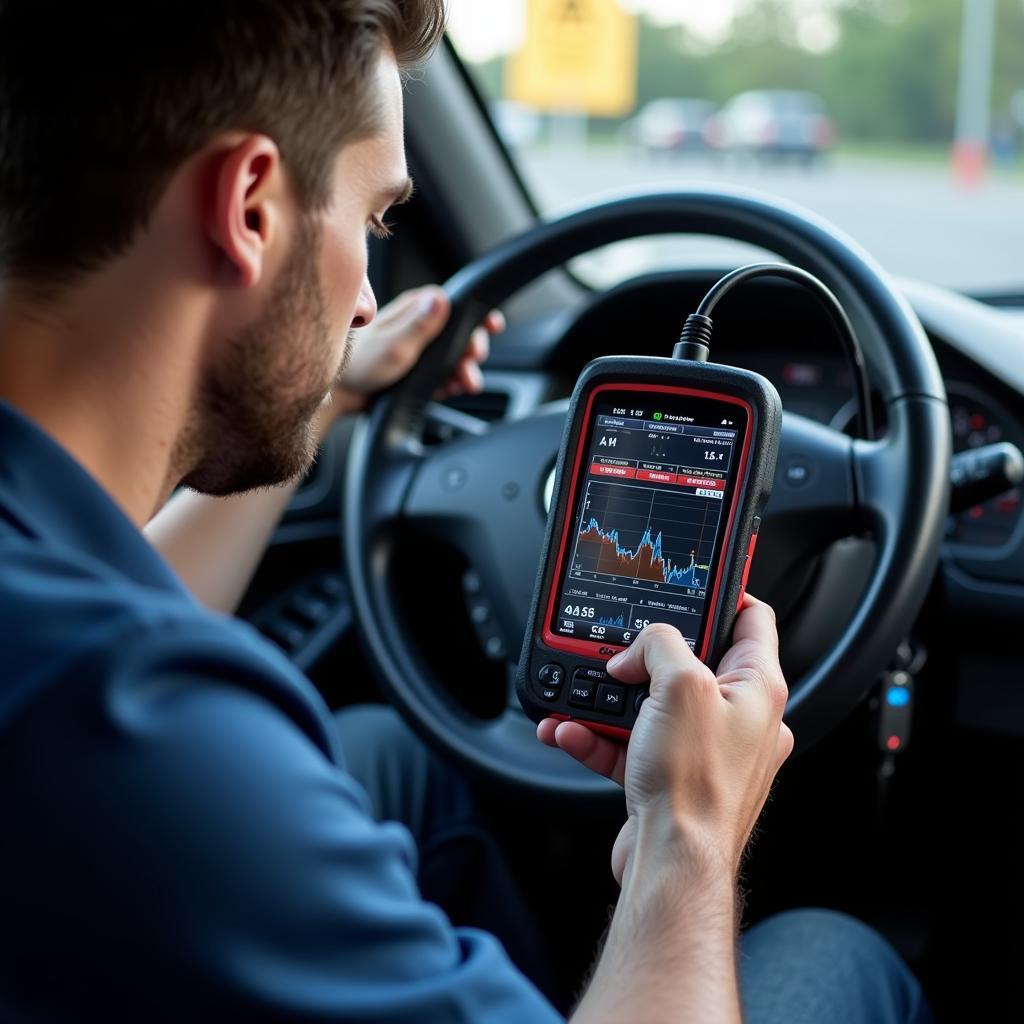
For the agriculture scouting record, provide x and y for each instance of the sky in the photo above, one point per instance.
(484, 29)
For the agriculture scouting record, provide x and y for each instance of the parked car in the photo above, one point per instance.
(671, 126)
(773, 123)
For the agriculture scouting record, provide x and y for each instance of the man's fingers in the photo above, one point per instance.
(400, 305)
(756, 622)
(468, 376)
(420, 314)
(546, 731)
(785, 745)
(753, 657)
(658, 650)
(600, 755)
(479, 345)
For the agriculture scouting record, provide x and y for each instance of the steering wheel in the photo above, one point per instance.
(482, 492)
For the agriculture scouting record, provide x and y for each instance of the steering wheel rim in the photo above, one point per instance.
(896, 487)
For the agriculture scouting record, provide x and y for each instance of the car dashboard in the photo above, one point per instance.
(777, 330)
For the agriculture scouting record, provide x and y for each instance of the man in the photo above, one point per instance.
(182, 252)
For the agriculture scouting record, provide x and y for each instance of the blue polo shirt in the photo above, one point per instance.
(178, 837)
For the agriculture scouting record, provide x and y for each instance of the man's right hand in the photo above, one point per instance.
(704, 750)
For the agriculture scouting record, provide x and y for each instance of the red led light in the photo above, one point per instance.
(893, 743)
(977, 421)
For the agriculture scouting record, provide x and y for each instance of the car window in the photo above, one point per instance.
(901, 121)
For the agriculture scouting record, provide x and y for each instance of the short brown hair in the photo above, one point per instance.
(100, 102)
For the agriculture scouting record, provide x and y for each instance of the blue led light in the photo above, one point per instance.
(897, 697)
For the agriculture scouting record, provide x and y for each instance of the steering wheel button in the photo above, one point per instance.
(610, 698)
(797, 472)
(551, 676)
(455, 477)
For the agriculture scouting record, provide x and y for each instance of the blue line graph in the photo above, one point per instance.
(647, 562)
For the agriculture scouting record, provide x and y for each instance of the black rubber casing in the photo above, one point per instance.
(752, 491)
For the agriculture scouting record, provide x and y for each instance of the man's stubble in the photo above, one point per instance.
(252, 424)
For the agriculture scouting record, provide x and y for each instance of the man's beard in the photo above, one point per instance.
(253, 421)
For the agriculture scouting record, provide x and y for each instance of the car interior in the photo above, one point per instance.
(403, 569)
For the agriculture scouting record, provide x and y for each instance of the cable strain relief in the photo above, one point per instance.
(695, 340)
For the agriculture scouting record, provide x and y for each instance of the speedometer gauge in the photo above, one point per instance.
(977, 421)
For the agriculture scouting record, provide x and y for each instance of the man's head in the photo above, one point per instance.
(240, 149)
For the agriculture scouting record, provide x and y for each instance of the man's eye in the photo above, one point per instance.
(379, 229)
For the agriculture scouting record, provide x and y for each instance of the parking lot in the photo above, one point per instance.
(912, 216)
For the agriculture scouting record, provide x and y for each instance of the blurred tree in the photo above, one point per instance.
(1009, 64)
(895, 79)
(668, 65)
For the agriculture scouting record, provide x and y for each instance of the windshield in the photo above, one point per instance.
(900, 121)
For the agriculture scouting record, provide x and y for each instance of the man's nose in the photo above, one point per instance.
(366, 307)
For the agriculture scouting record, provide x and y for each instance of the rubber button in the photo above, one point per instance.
(582, 692)
(611, 698)
(638, 701)
(747, 562)
(548, 694)
(551, 675)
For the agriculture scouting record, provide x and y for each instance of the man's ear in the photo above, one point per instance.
(245, 217)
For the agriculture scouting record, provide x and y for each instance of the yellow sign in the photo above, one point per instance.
(580, 56)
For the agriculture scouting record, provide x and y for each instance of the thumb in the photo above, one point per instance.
(424, 316)
(658, 652)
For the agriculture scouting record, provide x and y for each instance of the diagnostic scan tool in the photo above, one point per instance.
(664, 469)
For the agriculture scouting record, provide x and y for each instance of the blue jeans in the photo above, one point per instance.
(799, 967)
(817, 965)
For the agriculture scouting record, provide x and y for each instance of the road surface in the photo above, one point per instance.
(912, 217)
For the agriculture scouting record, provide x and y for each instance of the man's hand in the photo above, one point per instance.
(704, 750)
(388, 348)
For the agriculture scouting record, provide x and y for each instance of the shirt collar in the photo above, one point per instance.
(47, 495)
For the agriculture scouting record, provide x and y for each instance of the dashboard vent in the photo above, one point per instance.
(464, 414)
(487, 405)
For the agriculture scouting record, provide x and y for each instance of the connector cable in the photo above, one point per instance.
(695, 340)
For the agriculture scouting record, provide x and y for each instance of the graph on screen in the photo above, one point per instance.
(603, 550)
(645, 534)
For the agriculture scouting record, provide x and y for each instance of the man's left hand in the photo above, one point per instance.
(388, 348)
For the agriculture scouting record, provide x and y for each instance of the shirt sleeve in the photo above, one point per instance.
(182, 845)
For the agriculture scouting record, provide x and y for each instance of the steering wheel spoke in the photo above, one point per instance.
(813, 498)
(890, 487)
(483, 494)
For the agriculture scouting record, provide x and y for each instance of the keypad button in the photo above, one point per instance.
(638, 701)
(549, 694)
(551, 675)
(582, 691)
(610, 698)
(590, 675)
